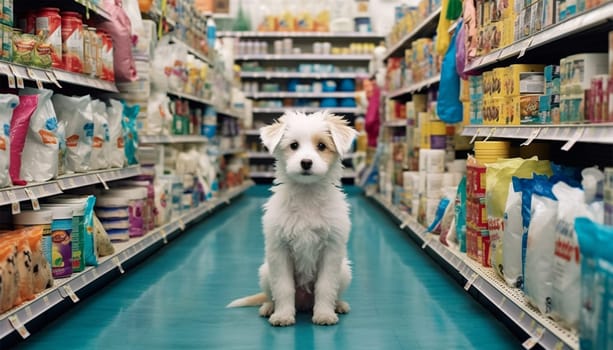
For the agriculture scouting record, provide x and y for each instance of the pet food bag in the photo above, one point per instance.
(566, 297)
(76, 113)
(40, 156)
(101, 136)
(19, 130)
(130, 133)
(540, 246)
(8, 103)
(497, 179)
(116, 155)
(23, 264)
(120, 30)
(512, 237)
(9, 278)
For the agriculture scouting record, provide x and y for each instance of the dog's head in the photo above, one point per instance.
(308, 147)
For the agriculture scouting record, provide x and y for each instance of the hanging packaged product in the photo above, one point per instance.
(40, 155)
(72, 41)
(10, 278)
(42, 218)
(116, 155)
(114, 216)
(61, 241)
(76, 113)
(8, 103)
(49, 26)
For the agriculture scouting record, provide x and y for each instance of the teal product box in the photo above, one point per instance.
(7, 12)
(544, 109)
(551, 72)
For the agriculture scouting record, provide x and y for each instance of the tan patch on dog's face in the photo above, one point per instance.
(324, 145)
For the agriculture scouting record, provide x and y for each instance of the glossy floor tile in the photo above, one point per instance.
(175, 300)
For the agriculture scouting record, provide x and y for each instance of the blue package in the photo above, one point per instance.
(130, 132)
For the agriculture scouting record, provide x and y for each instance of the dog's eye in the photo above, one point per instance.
(294, 146)
(321, 147)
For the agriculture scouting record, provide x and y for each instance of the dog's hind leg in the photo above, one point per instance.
(267, 307)
(342, 307)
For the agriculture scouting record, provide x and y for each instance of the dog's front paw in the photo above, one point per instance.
(267, 309)
(342, 307)
(281, 319)
(325, 318)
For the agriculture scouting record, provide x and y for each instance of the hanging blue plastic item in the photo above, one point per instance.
(449, 107)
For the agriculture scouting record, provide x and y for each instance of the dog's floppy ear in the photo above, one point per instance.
(342, 134)
(271, 135)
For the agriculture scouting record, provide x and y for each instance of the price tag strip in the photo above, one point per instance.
(6, 70)
(492, 131)
(18, 326)
(164, 236)
(535, 339)
(475, 136)
(15, 206)
(533, 135)
(106, 187)
(20, 73)
(71, 294)
(118, 264)
(470, 281)
(33, 199)
(181, 224)
(427, 242)
(571, 142)
(53, 79)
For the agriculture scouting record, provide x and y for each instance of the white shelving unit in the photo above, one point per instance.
(414, 88)
(64, 289)
(307, 35)
(484, 282)
(191, 50)
(17, 73)
(427, 26)
(281, 110)
(580, 23)
(203, 101)
(303, 75)
(31, 191)
(592, 133)
(261, 95)
(303, 57)
(172, 139)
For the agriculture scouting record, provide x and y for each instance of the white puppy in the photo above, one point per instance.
(306, 221)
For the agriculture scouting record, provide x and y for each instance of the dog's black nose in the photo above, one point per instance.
(306, 164)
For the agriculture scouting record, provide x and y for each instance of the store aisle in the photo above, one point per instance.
(175, 300)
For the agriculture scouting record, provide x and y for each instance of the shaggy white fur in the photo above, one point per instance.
(306, 221)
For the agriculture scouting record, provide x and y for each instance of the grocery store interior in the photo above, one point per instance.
(142, 140)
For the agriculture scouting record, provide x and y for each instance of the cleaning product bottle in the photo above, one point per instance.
(211, 32)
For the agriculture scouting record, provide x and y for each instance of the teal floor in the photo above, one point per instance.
(175, 300)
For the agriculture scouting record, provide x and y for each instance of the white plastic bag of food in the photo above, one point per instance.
(512, 237)
(8, 103)
(538, 267)
(76, 113)
(566, 301)
(39, 159)
(101, 136)
(158, 114)
(116, 155)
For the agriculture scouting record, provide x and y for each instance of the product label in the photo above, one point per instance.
(47, 137)
(135, 213)
(61, 253)
(72, 48)
(72, 141)
(98, 142)
(2, 143)
(78, 223)
(120, 142)
(52, 32)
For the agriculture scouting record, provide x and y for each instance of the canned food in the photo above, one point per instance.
(49, 26)
(72, 41)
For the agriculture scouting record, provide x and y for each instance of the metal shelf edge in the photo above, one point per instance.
(410, 36)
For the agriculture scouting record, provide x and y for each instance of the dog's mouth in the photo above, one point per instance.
(306, 173)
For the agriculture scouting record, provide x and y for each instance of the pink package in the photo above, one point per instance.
(19, 130)
(119, 28)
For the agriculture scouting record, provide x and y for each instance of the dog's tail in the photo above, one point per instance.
(252, 300)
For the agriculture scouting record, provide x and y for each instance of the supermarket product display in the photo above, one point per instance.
(515, 208)
(68, 146)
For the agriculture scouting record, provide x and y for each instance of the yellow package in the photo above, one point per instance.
(424, 127)
(525, 79)
(497, 181)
